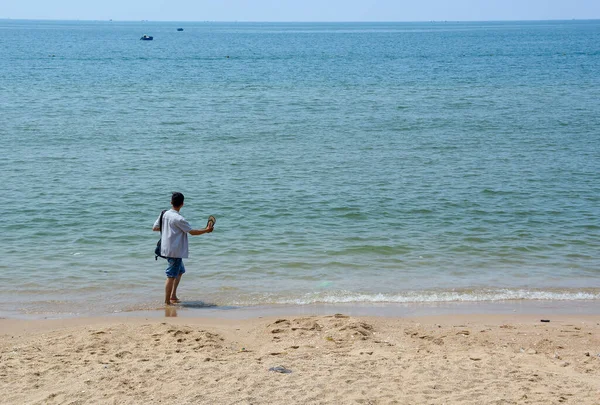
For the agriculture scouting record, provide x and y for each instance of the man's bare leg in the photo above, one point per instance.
(174, 291)
(169, 289)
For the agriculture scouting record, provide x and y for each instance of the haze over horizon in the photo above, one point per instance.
(305, 11)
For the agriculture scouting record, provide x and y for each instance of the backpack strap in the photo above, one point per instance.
(157, 250)
(162, 214)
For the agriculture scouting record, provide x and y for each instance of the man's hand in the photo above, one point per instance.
(201, 231)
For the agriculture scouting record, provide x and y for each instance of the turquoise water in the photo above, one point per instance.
(345, 163)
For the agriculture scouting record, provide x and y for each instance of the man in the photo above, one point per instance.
(174, 244)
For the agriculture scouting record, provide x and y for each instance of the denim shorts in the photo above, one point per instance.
(175, 268)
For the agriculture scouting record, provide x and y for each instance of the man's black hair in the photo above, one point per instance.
(177, 199)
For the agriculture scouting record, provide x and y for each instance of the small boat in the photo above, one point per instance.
(146, 38)
(179, 29)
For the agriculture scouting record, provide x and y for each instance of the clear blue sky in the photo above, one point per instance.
(301, 10)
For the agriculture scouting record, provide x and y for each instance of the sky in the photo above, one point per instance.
(301, 10)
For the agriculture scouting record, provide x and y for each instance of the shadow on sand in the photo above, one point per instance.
(171, 310)
(202, 305)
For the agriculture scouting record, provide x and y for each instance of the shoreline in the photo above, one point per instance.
(195, 309)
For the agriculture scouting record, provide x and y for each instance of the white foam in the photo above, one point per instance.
(343, 297)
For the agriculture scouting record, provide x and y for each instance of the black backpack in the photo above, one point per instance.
(158, 244)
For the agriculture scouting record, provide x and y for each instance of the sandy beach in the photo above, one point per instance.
(330, 359)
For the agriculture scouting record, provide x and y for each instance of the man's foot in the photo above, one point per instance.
(175, 300)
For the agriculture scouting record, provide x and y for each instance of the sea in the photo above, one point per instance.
(365, 164)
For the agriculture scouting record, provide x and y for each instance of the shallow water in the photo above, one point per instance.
(345, 163)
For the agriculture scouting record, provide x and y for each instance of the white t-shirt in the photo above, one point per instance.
(174, 239)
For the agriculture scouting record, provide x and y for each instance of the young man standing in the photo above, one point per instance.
(174, 244)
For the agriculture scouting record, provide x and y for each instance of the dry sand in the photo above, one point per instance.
(491, 359)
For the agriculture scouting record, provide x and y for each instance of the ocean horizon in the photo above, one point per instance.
(83, 20)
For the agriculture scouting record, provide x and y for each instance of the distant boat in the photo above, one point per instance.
(179, 29)
(146, 38)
